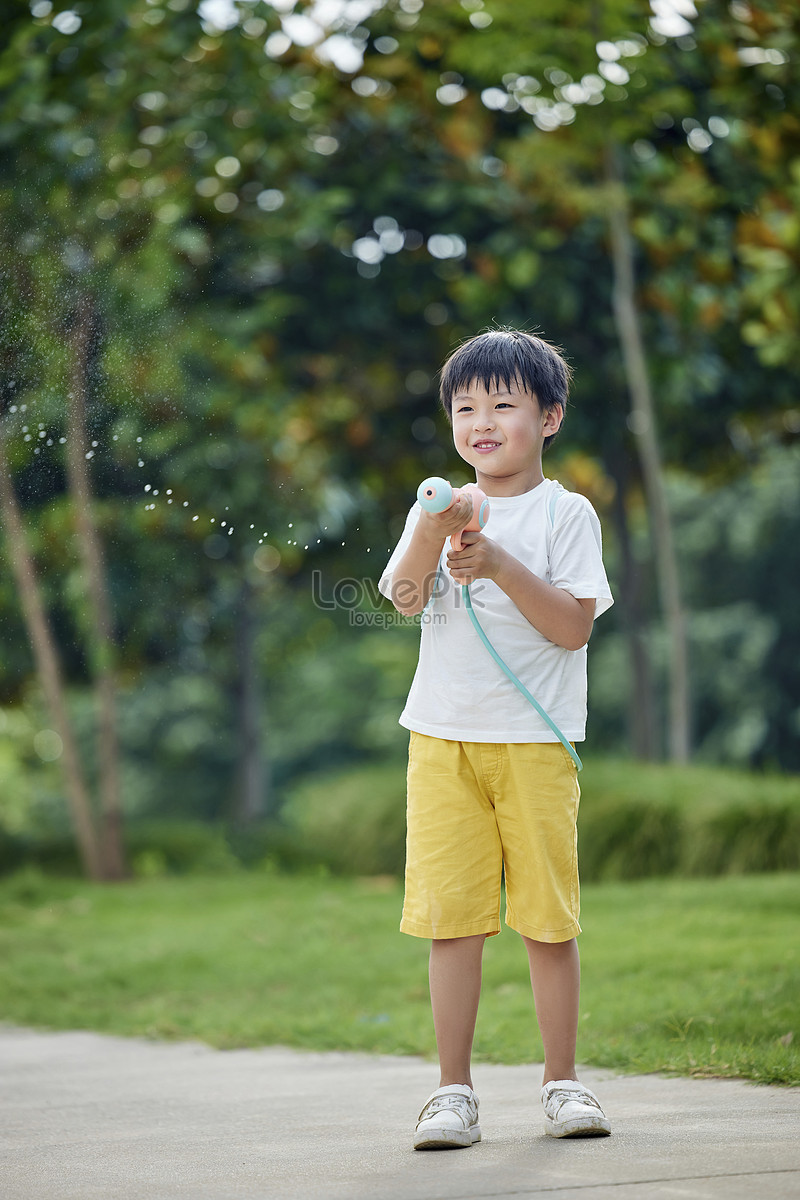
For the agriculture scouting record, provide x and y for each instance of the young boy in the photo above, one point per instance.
(491, 790)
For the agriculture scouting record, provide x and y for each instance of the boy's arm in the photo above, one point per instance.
(557, 614)
(414, 575)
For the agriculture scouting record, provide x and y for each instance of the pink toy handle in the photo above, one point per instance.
(480, 512)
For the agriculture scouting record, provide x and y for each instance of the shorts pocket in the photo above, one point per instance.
(568, 759)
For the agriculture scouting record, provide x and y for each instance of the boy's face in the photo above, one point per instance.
(501, 434)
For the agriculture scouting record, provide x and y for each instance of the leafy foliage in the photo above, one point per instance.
(282, 246)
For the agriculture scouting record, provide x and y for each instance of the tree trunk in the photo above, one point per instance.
(642, 721)
(253, 782)
(100, 639)
(643, 425)
(48, 667)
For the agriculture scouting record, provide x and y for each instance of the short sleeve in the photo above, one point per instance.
(576, 552)
(385, 584)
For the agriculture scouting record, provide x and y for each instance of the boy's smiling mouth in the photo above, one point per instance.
(485, 444)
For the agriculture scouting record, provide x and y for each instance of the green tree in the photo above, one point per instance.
(279, 247)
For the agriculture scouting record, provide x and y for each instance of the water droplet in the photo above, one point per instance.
(195, 518)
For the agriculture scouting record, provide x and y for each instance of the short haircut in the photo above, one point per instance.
(506, 356)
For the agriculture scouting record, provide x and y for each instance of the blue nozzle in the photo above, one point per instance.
(435, 494)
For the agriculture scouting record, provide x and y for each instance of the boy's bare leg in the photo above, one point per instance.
(556, 979)
(455, 981)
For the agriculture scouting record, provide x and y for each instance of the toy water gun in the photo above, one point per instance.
(436, 495)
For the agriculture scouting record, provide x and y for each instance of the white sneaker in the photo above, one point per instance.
(449, 1119)
(572, 1110)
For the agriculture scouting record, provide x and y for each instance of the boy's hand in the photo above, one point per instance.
(480, 558)
(453, 519)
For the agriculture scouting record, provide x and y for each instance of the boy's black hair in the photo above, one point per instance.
(507, 356)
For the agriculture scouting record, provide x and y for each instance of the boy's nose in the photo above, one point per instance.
(483, 421)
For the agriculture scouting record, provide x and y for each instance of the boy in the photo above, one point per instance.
(491, 790)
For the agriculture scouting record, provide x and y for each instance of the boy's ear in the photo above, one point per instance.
(552, 420)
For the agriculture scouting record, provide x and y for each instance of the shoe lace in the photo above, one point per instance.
(561, 1096)
(450, 1101)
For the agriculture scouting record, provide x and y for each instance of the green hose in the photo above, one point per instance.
(517, 683)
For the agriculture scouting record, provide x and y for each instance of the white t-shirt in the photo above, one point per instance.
(458, 691)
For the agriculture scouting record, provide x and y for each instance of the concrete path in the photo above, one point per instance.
(86, 1117)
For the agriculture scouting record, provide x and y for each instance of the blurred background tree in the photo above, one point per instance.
(283, 216)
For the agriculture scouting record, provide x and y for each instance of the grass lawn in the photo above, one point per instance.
(696, 977)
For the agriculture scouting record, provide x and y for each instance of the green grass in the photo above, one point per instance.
(693, 977)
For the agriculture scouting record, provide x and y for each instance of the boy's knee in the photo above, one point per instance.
(552, 948)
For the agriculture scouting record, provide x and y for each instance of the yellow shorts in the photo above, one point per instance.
(477, 810)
